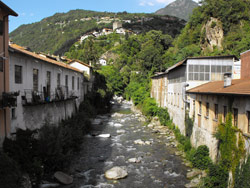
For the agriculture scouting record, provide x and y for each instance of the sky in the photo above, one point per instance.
(30, 11)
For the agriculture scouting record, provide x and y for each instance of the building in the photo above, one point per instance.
(117, 25)
(184, 75)
(6, 98)
(212, 102)
(102, 61)
(87, 71)
(106, 31)
(49, 90)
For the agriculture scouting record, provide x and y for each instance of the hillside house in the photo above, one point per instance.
(106, 31)
(49, 90)
(7, 98)
(212, 102)
(117, 25)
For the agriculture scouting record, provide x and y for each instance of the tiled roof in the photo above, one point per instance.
(75, 60)
(8, 9)
(21, 49)
(238, 87)
(158, 74)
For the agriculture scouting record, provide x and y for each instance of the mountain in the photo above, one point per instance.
(57, 33)
(215, 28)
(179, 8)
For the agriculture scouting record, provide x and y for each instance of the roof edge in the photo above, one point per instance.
(8, 9)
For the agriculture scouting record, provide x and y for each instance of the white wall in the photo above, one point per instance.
(33, 116)
(81, 67)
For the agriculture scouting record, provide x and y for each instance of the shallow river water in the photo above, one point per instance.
(157, 164)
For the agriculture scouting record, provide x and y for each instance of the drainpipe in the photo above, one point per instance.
(184, 92)
(4, 73)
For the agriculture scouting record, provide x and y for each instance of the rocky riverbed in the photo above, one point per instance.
(144, 156)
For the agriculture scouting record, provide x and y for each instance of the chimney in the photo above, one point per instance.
(227, 79)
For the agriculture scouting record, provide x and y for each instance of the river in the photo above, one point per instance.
(156, 164)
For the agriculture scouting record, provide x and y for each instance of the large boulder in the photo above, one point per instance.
(63, 178)
(116, 173)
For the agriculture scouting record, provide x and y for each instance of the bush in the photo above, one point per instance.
(242, 175)
(149, 107)
(163, 115)
(217, 177)
(200, 157)
(10, 174)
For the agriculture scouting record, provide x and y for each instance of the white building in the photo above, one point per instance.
(49, 90)
(102, 61)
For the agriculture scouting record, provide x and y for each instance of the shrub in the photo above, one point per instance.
(10, 174)
(200, 157)
(242, 175)
(217, 177)
(163, 115)
(149, 107)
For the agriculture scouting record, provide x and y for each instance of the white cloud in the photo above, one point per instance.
(146, 3)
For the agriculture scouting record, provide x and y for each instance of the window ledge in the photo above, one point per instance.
(199, 114)
(206, 117)
(216, 120)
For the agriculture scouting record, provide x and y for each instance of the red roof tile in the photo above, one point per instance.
(238, 87)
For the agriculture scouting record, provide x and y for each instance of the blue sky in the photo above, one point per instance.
(30, 11)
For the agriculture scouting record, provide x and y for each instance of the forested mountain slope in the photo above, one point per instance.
(57, 33)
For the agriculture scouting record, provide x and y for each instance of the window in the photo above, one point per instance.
(13, 113)
(215, 111)
(225, 113)
(66, 80)
(58, 80)
(73, 82)
(1, 27)
(207, 109)
(199, 72)
(35, 79)
(18, 74)
(200, 107)
(78, 83)
(248, 122)
(235, 113)
(48, 81)
(1, 64)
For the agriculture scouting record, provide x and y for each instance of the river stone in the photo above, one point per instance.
(147, 142)
(116, 115)
(49, 185)
(116, 173)
(139, 141)
(121, 131)
(194, 173)
(104, 135)
(134, 160)
(194, 183)
(118, 125)
(63, 178)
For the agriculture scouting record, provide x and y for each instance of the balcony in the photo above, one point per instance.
(31, 97)
(8, 99)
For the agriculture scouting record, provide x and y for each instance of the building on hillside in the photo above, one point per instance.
(102, 61)
(106, 31)
(87, 71)
(49, 90)
(187, 74)
(117, 25)
(212, 102)
(7, 98)
(82, 38)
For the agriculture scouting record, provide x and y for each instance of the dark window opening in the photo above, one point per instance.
(35, 79)
(215, 111)
(18, 74)
(207, 109)
(235, 111)
(248, 121)
(1, 27)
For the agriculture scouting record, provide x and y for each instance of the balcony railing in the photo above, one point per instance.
(31, 97)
